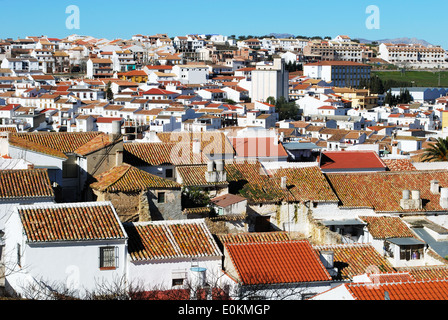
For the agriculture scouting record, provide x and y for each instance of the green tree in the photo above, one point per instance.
(109, 93)
(437, 151)
(285, 109)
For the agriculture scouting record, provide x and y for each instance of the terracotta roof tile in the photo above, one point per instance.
(25, 183)
(195, 175)
(53, 143)
(417, 290)
(170, 240)
(382, 191)
(159, 153)
(126, 178)
(276, 262)
(70, 222)
(249, 237)
(399, 164)
(427, 272)
(356, 259)
(387, 227)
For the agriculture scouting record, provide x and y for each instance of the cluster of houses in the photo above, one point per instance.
(177, 179)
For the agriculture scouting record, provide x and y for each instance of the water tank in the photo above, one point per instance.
(210, 166)
(327, 258)
(444, 193)
(198, 276)
(415, 194)
(406, 194)
(219, 165)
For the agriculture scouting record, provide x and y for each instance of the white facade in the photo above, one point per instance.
(74, 264)
(191, 74)
(270, 81)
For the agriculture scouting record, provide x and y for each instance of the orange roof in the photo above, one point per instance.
(416, 290)
(70, 222)
(276, 262)
(25, 183)
(337, 160)
(170, 240)
(126, 178)
(387, 227)
(382, 191)
(258, 147)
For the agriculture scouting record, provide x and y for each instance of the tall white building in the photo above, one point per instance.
(340, 73)
(270, 80)
(413, 55)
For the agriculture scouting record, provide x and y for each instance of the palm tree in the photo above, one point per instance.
(436, 152)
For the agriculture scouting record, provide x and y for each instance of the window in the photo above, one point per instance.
(161, 197)
(169, 173)
(108, 258)
(411, 252)
(178, 277)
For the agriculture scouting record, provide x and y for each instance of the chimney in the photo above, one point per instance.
(444, 198)
(411, 203)
(196, 146)
(327, 258)
(283, 183)
(435, 187)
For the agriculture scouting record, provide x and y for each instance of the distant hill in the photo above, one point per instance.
(404, 40)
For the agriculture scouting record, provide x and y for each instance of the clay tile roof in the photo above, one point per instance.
(227, 200)
(416, 290)
(305, 184)
(258, 147)
(170, 240)
(276, 262)
(387, 227)
(399, 164)
(70, 222)
(52, 143)
(126, 178)
(195, 175)
(99, 142)
(427, 272)
(333, 160)
(382, 191)
(159, 153)
(25, 184)
(211, 142)
(356, 259)
(249, 237)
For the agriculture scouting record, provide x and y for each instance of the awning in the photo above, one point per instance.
(347, 222)
(405, 241)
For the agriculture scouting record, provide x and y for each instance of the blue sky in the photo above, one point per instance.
(114, 19)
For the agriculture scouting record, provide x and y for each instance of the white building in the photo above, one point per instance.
(341, 73)
(78, 246)
(413, 55)
(270, 80)
(191, 74)
(190, 254)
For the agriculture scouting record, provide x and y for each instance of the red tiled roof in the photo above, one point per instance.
(53, 143)
(258, 147)
(387, 227)
(351, 160)
(399, 164)
(427, 272)
(383, 191)
(417, 290)
(25, 183)
(194, 175)
(355, 259)
(227, 200)
(126, 178)
(249, 237)
(160, 153)
(70, 222)
(276, 262)
(170, 240)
